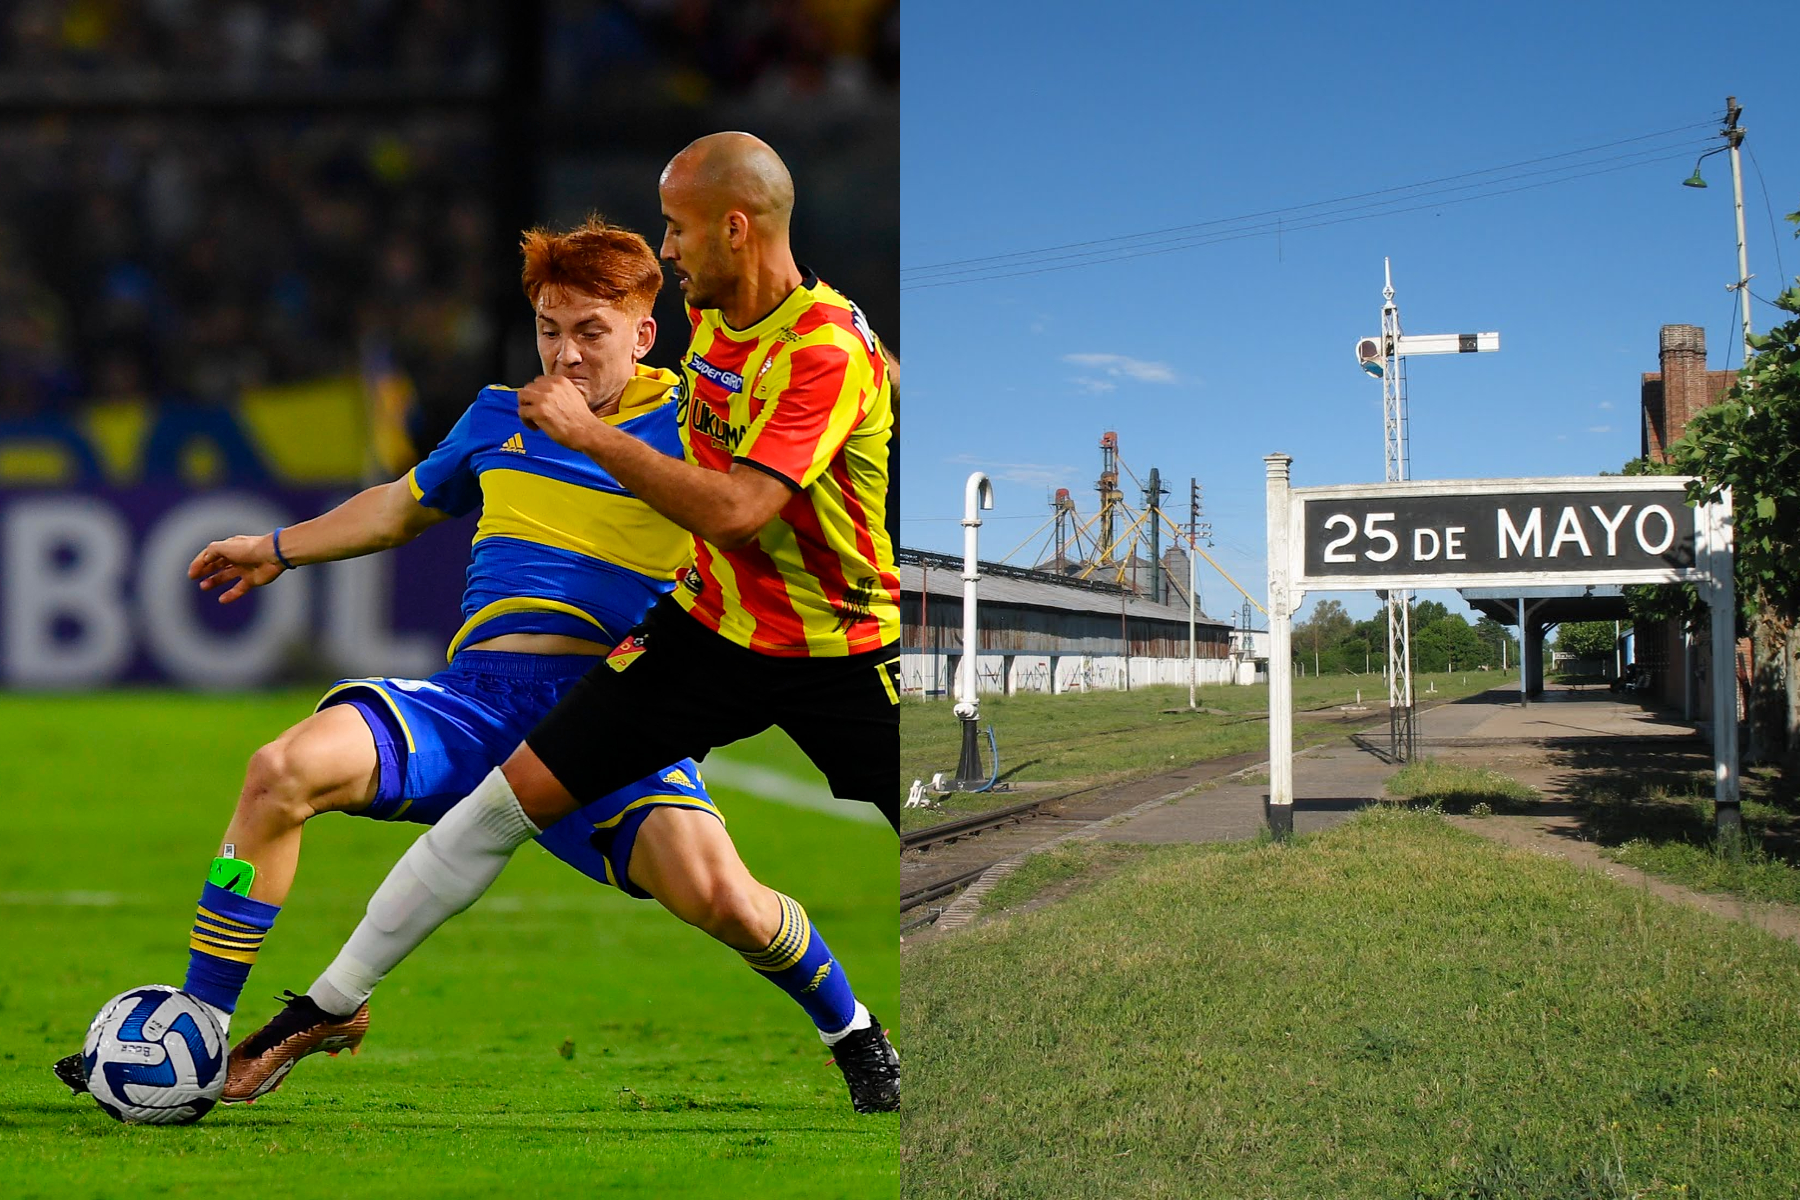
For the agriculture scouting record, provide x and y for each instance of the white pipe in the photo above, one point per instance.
(978, 494)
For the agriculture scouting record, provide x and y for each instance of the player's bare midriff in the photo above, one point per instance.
(541, 643)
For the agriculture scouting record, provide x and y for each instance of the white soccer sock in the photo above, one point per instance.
(860, 1021)
(219, 1015)
(441, 874)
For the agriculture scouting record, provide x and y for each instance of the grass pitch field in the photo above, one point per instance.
(558, 1038)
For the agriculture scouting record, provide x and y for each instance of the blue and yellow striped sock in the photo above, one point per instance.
(228, 931)
(800, 963)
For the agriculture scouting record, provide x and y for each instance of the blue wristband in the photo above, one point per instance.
(279, 556)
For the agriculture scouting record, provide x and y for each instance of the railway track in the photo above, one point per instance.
(941, 859)
(950, 831)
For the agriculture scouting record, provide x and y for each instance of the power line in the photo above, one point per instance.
(1731, 343)
(1527, 162)
(1762, 299)
(1483, 182)
(958, 520)
(1170, 246)
(1329, 217)
(1774, 237)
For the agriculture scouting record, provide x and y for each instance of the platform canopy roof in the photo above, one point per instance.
(1552, 605)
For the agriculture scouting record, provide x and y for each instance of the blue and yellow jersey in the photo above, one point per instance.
(562, 547)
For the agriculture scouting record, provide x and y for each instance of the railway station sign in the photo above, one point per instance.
(1494, 533)
(1604, 529)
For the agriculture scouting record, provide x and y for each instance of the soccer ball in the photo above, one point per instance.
(155, 1056)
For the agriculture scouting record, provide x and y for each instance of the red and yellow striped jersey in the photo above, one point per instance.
(803, 395)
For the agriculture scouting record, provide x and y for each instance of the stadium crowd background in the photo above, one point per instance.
(274, 245)
(205, 197)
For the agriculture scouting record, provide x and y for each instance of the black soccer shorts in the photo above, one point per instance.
(674, 689)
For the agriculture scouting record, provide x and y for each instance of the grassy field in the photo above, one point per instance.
(689, 1075)
(1458, 788)
(1664, 825)
(1390, 1009)
(1045, 873)
(1129, 735)
(1654, 813)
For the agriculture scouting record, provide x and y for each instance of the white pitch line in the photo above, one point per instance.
(52, 899)
(782, 788)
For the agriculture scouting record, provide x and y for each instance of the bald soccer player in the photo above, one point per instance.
(787, 614)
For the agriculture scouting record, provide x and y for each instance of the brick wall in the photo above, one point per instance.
(1670, 397)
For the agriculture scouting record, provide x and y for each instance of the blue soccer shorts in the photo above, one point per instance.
(437, 738)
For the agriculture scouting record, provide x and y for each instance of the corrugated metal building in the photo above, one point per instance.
(1040, 632)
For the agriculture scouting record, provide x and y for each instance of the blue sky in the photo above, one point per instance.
(1026, 126)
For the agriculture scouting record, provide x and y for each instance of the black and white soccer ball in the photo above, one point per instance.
(155, 1056)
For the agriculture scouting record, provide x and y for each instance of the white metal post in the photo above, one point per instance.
(1280, 805)
(978, 494)
(1688, 699)
(1716, 534)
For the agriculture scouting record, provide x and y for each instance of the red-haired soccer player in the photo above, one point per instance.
(566, 562)
(788, 615)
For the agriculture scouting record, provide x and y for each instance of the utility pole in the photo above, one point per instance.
(1125, 639)
(1193, 584)
(1734, 137)
(1733, 133)
(1153, 494)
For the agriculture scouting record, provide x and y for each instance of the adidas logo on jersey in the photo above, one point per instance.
(515, 443)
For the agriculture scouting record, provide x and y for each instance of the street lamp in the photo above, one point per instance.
(1694, 180)
(1733, 134)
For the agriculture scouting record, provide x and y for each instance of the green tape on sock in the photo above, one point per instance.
(232, 874)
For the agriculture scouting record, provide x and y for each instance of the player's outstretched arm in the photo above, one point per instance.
(726, 509)
(378, 518)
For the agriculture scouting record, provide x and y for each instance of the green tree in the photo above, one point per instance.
(1586, 639)
(1750, 443)
(1653, 602)
(1366, 647)
(1426, 612)
(1445, 643)
(1316, 639)
(1494, 635)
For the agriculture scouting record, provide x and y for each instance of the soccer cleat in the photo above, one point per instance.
(261, 1061)
(72, 1072)
(871, 1067)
